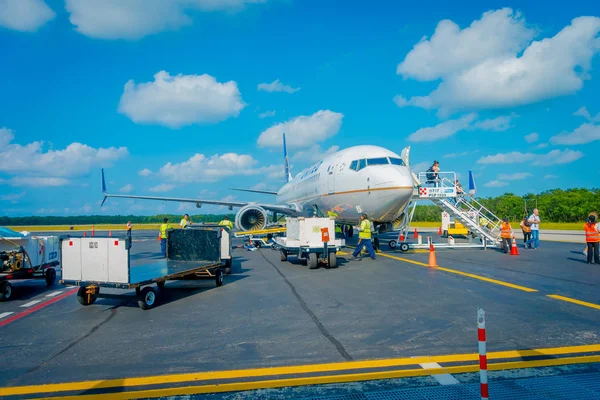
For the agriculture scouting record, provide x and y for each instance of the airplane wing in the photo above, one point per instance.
(282, 209)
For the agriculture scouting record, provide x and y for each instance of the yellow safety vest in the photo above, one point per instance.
(163, 230)
(338, 229)
(227, 223)
(365, 229)
(184, 222)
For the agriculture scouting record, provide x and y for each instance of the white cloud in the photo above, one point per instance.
(134, 19)
(276, 86)
(532, 137)
(259, 186)
(127, 188)
(494, 64)
(514, 177)
(176, 101)
(462, 154)
(12, 197)
(313, 154)
(163, 187)
(583, 112)
(25, 15)
(33, 161)
(145, 172)
(86, 208)
(442, 130)
(586, 133)
(267, 114)
(36, 181)
(550, 177)
(420, 167)
(496, 184)
(541, 146)
(498, 124)
(303, 131)
(555, 157)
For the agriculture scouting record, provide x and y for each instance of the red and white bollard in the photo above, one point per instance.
(483, 377)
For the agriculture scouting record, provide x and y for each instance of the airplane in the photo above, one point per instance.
(345, 184)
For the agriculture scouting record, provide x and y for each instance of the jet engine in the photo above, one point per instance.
(251, 218)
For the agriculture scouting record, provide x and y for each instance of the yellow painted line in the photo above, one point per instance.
(453, 271)
(274, 371)
(575, 301)
(320, 380)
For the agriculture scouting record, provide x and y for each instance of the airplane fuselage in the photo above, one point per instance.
(360, 179)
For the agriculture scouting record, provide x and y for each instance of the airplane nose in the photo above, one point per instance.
(391, 191)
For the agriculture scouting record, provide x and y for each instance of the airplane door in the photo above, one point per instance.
(331, 177)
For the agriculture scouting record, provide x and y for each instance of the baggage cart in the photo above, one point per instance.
(94, 263)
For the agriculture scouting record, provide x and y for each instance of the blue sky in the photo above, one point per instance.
(189, 97)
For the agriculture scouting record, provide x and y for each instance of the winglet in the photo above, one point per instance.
(472, 187)
(103, 188)
(286, 162)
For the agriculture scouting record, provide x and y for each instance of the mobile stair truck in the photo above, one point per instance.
(94, 262)
(23, 256)
(310, 239)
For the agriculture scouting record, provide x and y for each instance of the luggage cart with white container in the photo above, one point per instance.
(94, 263)
(312, 240)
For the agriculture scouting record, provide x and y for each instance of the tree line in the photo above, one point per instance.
(557, 205)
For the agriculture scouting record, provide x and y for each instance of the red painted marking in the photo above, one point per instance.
(483, 362)
(70, 243)
(484, 391)
(37, 307)
(481, 334)
(116, 242)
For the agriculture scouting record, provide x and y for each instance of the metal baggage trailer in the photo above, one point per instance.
(94, 263)
(46, 272)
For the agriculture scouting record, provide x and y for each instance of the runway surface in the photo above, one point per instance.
(273, 314)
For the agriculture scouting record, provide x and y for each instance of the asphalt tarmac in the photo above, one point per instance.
(275, 314)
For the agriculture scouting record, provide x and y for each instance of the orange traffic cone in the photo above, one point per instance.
(440, 231)
(109, 233)
(416, 235)
(159, 236)
(84, 234)
(402, 237)
(514, 251)
(93, 230)
(432, 260)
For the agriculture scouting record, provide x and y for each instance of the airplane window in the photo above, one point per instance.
(377, 161)
(353, 165)
(361, 164)
(397, 161)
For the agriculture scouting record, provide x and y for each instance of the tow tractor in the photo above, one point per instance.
(23, 256)
(309, 239)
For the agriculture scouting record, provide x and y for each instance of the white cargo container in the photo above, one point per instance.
(304, 238)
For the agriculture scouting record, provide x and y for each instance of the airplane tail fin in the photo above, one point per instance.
(103, 188)
(286, 162)
(472, 187)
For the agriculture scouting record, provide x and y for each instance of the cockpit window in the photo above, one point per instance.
(353, 165)
(377, 161)
(397, 161)
(361, 164)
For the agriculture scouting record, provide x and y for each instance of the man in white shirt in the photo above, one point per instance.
(534, 220)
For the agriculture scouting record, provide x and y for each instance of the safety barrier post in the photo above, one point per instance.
(483, 378)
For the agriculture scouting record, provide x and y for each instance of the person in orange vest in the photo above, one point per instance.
(526, 228)
(592, 237)
(505, 234)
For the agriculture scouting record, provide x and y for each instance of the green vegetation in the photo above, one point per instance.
(557, 205)
(107, 219)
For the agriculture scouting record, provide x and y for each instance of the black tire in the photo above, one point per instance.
(283, 255)
(313, 261)
(376, 244)
(393, 244)
(82, 297)
(445, 234)
(228, 263)
(148, 298)
(257, 244)
(161, 284)
(50, 276)
(219, 277)
(404, 247)
(6, 291)
(332, 258)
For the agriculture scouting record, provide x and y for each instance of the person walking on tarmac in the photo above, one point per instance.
(526, 228)
(534, 221)
(163, 236)
(185, 223)
(364, 235)
(592, 238)
(226, 222)
(505, 234)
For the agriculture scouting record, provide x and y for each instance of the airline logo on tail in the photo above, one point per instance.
(286, 162)
(472, 188)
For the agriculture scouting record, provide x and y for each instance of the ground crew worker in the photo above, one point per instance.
(592, 238)
(227, 223)
(534, 222)
(184, 221)
(163, 236)
(505, 233)
(338, 228)
(526, 228)
(129, 229)
(364, 235)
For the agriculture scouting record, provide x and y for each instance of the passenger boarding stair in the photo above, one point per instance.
(471, 213)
